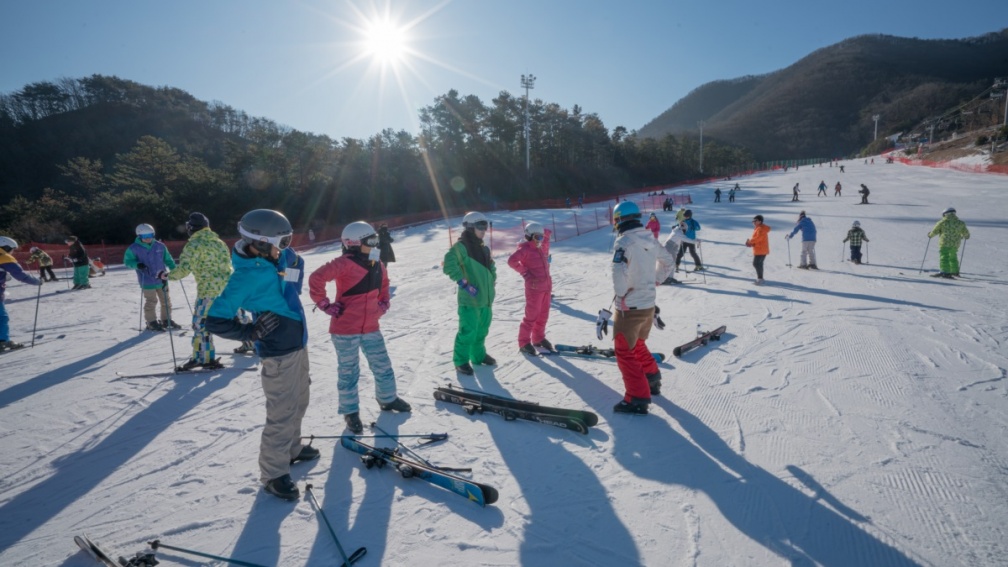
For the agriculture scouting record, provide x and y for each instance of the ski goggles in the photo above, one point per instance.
(147, 236)
(481, 225)
(537, 236)
(263, 243)
(370, 241)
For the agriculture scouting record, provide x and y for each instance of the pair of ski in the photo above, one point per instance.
(479, 402)
(192, 371)
(591, 351)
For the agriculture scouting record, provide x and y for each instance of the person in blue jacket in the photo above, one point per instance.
(8, 265)
(689, 227)
(808, 237)
(267, 281)
(152, 262)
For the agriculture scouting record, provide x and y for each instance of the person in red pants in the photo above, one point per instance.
(532, 261)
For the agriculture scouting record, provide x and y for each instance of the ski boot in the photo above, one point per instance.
(353, 423)
(283, 487)
(397, 404)
(545, 346)
(529, 350)
(154, 325)
(170, 324)
(635, 405)
(654, 382)
(308, 453)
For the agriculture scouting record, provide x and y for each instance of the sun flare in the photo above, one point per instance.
(385, 42)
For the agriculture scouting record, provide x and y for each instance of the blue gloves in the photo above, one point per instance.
(468, 287)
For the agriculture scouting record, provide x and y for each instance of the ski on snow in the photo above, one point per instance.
(142, 559)
(479, 493)
(122, 375)
(591, 351)
(702, 339)
(477, 401)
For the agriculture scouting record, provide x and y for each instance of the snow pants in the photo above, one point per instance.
(202, 342)
(150, 307)
(948, 259)
(682, 252)
(533, 326)
(81, 275)
(348, 348)
(470, 341)
(285, 383)
(757, 262)
(4, 323)
(635, 362)
(808, 252)
(855, 253)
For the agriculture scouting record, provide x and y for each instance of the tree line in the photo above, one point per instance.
(97, 155)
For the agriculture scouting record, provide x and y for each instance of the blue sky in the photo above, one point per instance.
(303, 64)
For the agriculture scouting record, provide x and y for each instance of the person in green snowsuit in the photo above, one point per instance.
(950, 231)
(209, 260)
(468, 263)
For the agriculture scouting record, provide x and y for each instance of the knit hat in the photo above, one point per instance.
(801, 215)
(197, 221)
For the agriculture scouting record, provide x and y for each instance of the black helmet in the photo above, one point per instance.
(688, 214)
(263, 228)
(196, 222)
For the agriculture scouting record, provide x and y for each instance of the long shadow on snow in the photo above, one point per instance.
(555, 484)
(78, 473)
(64, 373)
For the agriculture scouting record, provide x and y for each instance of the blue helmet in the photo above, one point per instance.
(625, 211)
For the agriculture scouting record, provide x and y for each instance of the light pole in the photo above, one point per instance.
(701, 125)
(875, 118)
(528, 83)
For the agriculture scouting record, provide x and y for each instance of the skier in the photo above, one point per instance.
(864, 194)
(808, 236)
(361, 299)
(717, 195)
(267, 281)
(731, 194)
(44, 262)
(634, 272)
(79, 258)
(836, 189)
(207, 258)
(8, 265)
(654, 225)
(469, 264)
(950, 231)
(794, 193)
(385, 241)
(760, 244)
(841, 169)
(672, 245)
(855, 235)
(532, 261)
(822, 188)
(689, 241)
(680, 214)
(152, 262)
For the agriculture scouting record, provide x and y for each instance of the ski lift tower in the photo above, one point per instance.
(527, 82)
(1002, 84)
(875, 118)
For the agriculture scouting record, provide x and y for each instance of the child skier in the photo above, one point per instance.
(469, 264)
(8, 265)
(855, 235)
(950, 231)
(152, 262)
(44, 262)
(532, 261)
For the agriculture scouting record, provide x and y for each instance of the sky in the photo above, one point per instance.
(321, 66)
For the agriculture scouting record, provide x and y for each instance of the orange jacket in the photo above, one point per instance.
(759, 241)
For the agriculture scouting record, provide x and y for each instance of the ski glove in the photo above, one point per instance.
(602, 323)
(264, 325)
(658, 323)
(334, 309)
(163, 275)
(468, 287)
(383, 306)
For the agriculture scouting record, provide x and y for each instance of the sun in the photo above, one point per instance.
(386, 42)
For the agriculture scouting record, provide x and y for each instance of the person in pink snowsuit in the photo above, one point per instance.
(653, 225)
(531, 260)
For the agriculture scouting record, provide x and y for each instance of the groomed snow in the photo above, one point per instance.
(850, 416)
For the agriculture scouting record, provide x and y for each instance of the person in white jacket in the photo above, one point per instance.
(634, 273)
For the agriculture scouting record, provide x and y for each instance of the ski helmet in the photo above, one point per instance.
(688, 214)
(8, 243)
(357, 234)
(532, 229)
(475, 219)
(625, 211)
(856, 224)
(34, 249)
(263, 228)
(196, 222)
(948, 210)
(143, 230)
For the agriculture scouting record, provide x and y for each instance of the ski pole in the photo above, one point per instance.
(171, 338)
(346, 560)
(66, 275)
(961, 254)
(925, 256)
(428, 437)
(702, 263)
(157, 543)
(842, 247)
(418, 457)
(140, 323)
(39, 296)
(788, 252)
(186, 296)
(866, 252)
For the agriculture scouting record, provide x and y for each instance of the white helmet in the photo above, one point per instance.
(532, 229)
(856, 224)
(144, 229)
(8, 243)
(34, 249)
(359, 233)
(474, 218)
(948, 210)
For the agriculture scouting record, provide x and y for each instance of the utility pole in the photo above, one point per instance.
(875, 118)
(931, 136)
(701, 125)
(528, 83)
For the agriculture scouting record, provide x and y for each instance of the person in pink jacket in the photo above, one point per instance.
(532, 261)
(653, 225)
(362, 297)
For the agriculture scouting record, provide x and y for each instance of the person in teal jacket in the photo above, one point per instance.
(267, 281)
(469, 264)
(950, 232)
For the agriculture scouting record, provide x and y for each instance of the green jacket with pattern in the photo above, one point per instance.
(208, 259)
(950, 231)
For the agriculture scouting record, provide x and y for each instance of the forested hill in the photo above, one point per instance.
(823, 104)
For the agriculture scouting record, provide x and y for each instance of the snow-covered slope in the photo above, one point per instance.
(851, 416)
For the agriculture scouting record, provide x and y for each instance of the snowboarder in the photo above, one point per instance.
(8, 265)
(267, 281)
(361, 299)
(207, 258)
(855, 235)
(864, 194)
(950, 231)
(79, 258)
(822, 188)
(760, 244)
(654, 225)
(808, 230)
(44, 262)
(385, 241)
(469, 264)
(532, 261)
(152, 262)
(794, 193)
(689, 241)
(717, 195)
(634, 272)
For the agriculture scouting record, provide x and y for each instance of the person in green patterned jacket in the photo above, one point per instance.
(209, 261)
(950, 231)
(469, 264)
